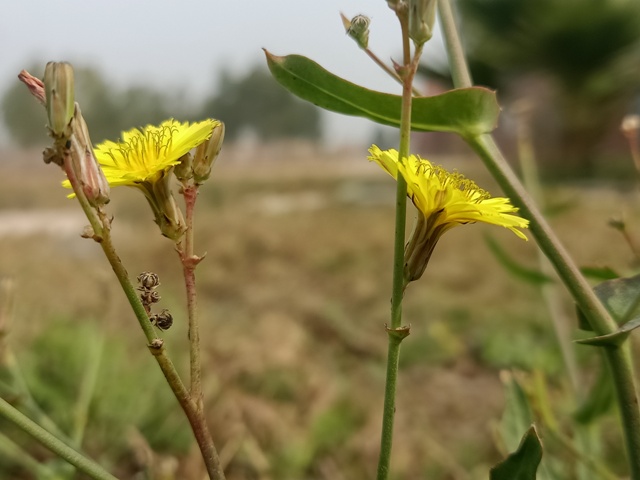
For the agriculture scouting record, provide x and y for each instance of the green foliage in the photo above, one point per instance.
(621, 297)
(255, 103)
(516, 346)
(128, 396)
(468, 112)
(523, 463)
(330, 428)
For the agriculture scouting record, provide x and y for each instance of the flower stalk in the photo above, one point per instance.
(598, 317)
(395, 332)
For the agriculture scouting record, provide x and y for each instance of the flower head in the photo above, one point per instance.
(146, 155)
(144, 158)
(444, 200)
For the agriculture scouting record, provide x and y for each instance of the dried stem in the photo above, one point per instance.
(189, 263)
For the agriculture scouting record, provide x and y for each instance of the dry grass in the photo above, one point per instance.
(294, 297)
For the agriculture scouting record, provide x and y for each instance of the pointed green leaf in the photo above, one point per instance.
(621, 297)
(614, 339)
(530, 275)
(523, 463)
(466, 111)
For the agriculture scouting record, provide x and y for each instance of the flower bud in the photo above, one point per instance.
(184, 170)
(166, 213)
(422, 16)
(58, 84)
(358, 29)
(207, 153)
(88, 171)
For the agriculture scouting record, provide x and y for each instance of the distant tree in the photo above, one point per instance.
(585, 54)
(256, 103)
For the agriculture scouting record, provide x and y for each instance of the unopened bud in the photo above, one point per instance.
(58, 84)
(184, 170)
(91, 177)
(207, 153)
(165, 210)
(358, 29)
(422, 16)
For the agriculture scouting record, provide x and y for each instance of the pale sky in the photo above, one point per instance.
(181, 45)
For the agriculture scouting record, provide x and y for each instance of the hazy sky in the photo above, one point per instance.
(181, 45)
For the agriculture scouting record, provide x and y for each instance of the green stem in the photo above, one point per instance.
(388, 70)
(459, 71)
(195, 415)
(386, 438)
(396, 332)
(81, 462)
(598, 317)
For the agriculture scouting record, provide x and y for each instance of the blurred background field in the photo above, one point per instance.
(298, 228)
(294, 298)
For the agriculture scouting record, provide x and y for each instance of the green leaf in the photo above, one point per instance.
(530, 275)
(621, 297)
(523, 463)
(466, 111)
(614, 339)
(599, 273)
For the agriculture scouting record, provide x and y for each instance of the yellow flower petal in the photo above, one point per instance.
(144, 154)
(448, 199)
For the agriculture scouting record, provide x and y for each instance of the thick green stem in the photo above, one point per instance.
(396, 332)
(457, 61)
(58, 447)
(386, 438)
(598, 317)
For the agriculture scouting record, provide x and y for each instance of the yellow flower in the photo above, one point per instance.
(145, 155)
(144, 158)
(444, 200)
